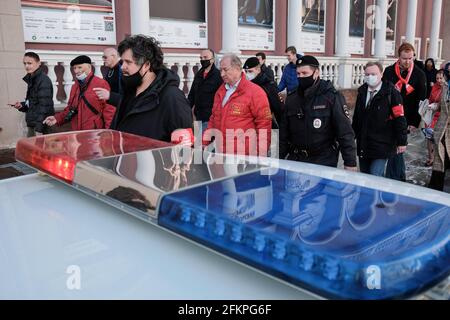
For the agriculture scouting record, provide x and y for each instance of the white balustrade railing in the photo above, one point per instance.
(186, 65)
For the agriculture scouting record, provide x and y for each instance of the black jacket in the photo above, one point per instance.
(411, 101)
(271, 89)
(203, 91)
(114, 78)
(269, 72)
(317, 122)
(380, 128)
(40, 99)
(156, 112)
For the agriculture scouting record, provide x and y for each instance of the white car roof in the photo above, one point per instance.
(47, 227)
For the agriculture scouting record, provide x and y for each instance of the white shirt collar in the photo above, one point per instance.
(229, 87)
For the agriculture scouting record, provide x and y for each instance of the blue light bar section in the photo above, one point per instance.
(335, 239)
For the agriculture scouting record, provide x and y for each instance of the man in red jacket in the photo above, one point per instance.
(85, 111)
(241, 119)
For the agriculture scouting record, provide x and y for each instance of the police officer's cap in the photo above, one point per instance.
(80, 60)
(308, 61)
(251, 63)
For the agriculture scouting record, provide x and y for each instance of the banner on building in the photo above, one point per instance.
(69, 21)
(313, 25)
(256, 25)
(391, 28)
(357, 26)
(179, 24)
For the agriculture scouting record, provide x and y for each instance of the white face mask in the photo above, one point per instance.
(250, 76)
(371, 80)
(82, 76)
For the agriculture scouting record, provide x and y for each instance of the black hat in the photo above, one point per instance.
(308, 61)
(251, 63)
(80, 60)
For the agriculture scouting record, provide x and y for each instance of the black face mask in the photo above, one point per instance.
(306, 83)
(133, 81)
(205, 63)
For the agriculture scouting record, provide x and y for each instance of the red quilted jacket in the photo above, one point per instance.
(85, 119)
(247, 108)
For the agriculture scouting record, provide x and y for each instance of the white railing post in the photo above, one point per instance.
(180, 73)
(325, 72)
(279, 72)
(336, 75)
(52, 75)
(98, 69)
(190, 75)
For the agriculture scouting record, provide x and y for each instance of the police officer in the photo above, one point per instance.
(316, 124)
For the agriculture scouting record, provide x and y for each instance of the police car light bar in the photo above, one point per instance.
(58, 154)
(336, 239)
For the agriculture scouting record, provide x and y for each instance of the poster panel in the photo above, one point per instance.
(69, 21)
(313, 25)
(179, 24)
(256, 25)
(356, 41)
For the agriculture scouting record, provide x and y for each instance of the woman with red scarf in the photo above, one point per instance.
(434, 100)
(442, 139)
(411, 82)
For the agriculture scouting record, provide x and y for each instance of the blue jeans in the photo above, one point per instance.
(376, 167)
(396, 168)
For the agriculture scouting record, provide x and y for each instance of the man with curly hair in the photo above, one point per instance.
(153, 105)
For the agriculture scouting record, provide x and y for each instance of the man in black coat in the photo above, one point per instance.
(316, 124)
(113, 76)
(264, 68)
(411, 82)
(206, 82)
(153, 105)
(255, 74)
(379, 123)
(38, 104)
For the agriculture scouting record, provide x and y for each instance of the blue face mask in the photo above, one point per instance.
(82, 77)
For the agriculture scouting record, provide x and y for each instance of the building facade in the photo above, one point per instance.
(344, 34)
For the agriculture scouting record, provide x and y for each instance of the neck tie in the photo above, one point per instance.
(372, 94)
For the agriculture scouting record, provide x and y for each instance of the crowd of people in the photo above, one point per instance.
(239, 104)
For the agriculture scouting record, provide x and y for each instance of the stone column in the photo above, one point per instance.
(380, 24)
(435, 29)
(230, 24)
(140, 16)
(411, 22)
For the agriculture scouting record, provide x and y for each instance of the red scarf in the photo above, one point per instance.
(404, 82)
(436, 92)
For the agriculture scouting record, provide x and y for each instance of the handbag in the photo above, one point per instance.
(425, 112)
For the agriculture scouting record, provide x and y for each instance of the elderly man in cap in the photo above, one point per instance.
(254, 73)
(316, 124)
(85, 111)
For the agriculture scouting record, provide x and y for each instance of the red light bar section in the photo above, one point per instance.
(58, 154)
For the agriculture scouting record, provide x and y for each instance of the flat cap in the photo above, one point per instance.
(80, 60)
